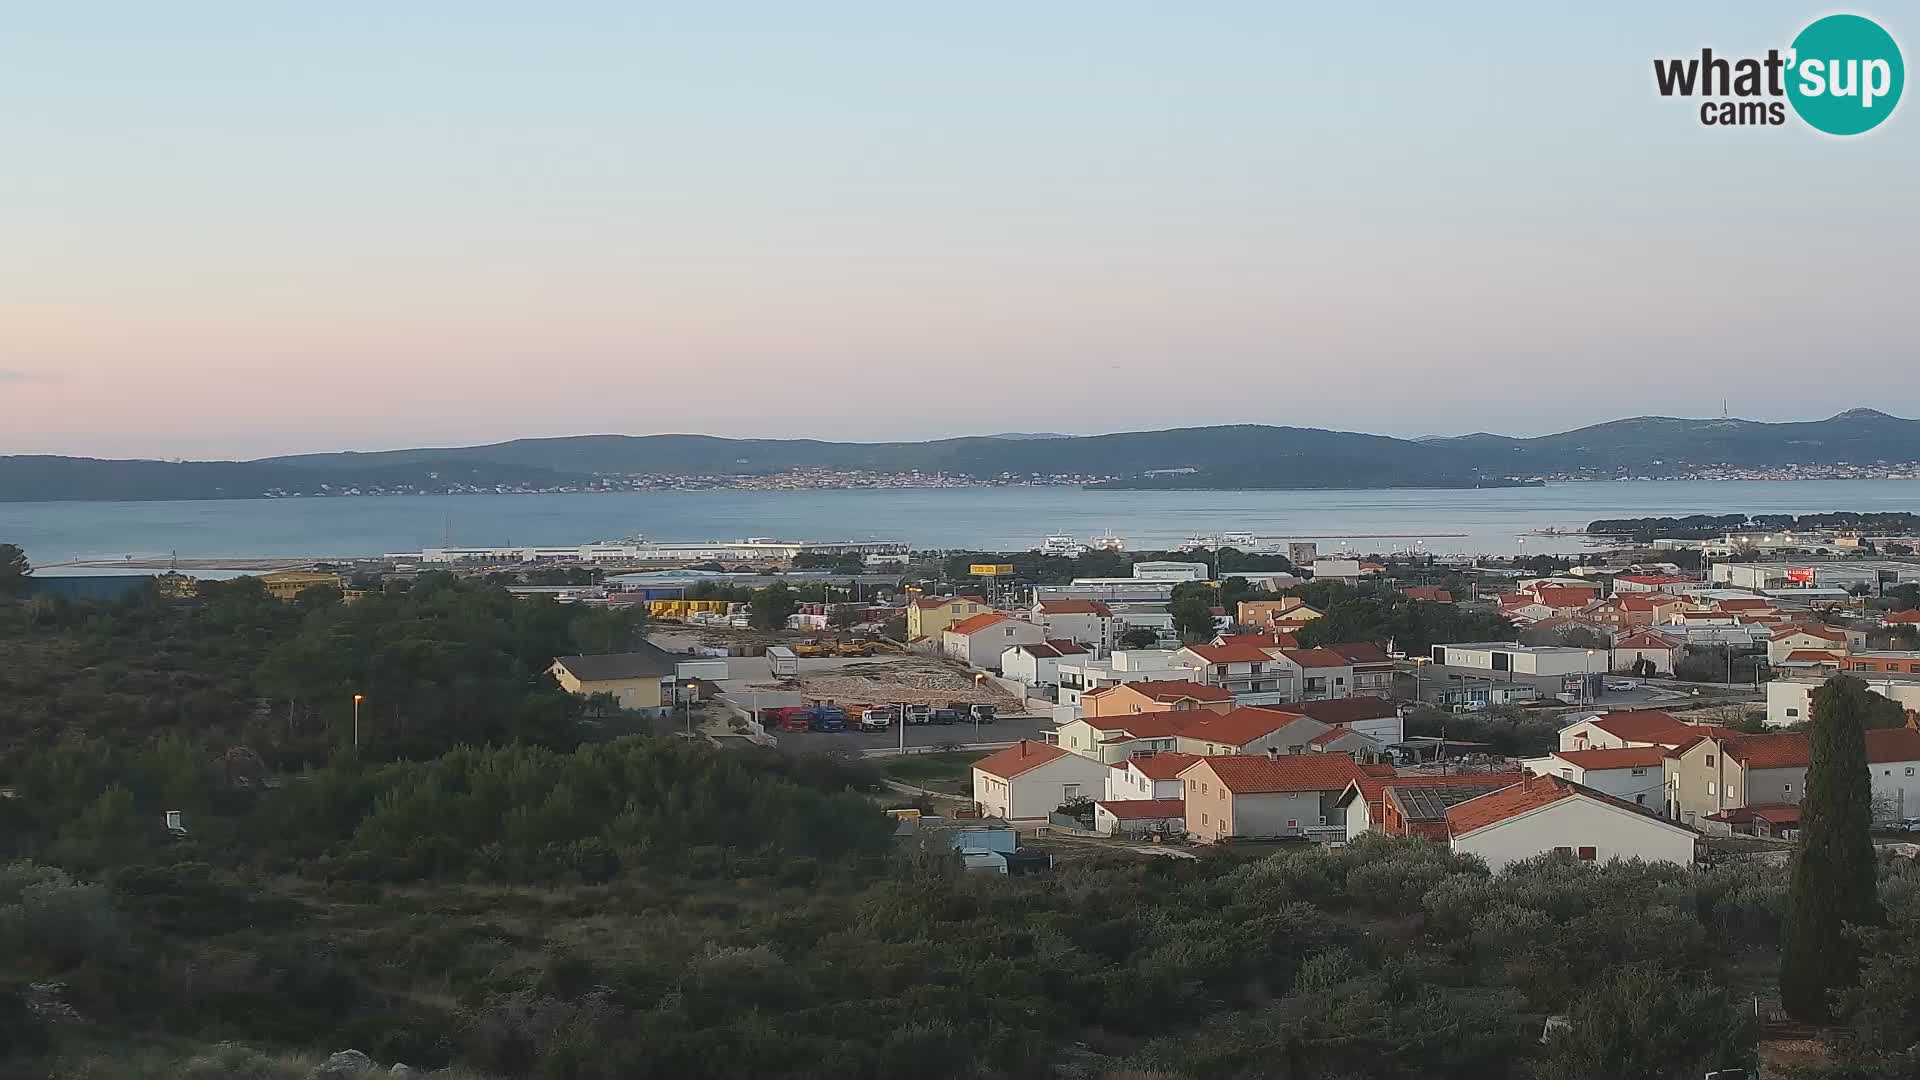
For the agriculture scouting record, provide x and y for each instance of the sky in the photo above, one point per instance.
(233, 229)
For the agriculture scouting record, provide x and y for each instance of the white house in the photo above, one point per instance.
(1791, 639)
(1551, 813)
(1147, 776)
(1649, 645)
(1636, 774)
(1039, 664)
(1636, 727)
(1083, 675)
(979, 641)
(1790, 699)
(1089, 622)
(1029, 780)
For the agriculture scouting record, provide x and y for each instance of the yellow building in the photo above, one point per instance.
(289, 584)
(637, 681)
(929, 616)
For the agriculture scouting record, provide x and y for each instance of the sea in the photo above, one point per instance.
(1499, 521)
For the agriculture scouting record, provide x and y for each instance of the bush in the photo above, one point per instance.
(47, 916)
(1645, 1023)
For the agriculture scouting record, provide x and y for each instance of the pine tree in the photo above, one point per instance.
(1833, 868)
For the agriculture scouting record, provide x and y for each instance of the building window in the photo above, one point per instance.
(1640, 799)
(1323, 819)
(1709, 761)
(1909, 770)
(1639, 772)
(1070, 792)
(1204, 821)
(1710, 790)
(1204, 789)
(1587, 854)
(1563, 851)
(1786, 787)
(1292, 823)
(1793, 712)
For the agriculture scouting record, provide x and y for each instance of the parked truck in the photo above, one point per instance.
(829, 718)
(876, 720)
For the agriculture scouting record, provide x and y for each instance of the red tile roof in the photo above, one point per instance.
(1893, 744)
(1075, 607)
(1346, 710)
(1024, 756)
(1360, 652)
(1231, 654)
(1632, 757)
(1432, 594)
(1176, 689)
(1897, 617)
(1816, 631)
(1638, 725)
(1565, 597)
(1259, 774)
(1372, 785)
(1164, 765)
(1240, 726)
(976, 623)
(1814, 656)
(1315, 658)
(1147, 725)
(1144, 809)
(1335, 734)
(1772, 813)
(1743, 605)
(1644, 639)
(1272, 639)
(1529, 794)
(1377, 770)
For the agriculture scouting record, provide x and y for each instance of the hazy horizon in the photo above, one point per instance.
(235, 231)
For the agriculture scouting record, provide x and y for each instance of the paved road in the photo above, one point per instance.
(1005, 729)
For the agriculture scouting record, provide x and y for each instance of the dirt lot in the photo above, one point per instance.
(912, 679)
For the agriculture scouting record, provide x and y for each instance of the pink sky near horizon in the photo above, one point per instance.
(272, 232)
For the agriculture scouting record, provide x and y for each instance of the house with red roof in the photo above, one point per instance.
(1625, 611)
(1788, 639)
(1646, 583)
(1720, 772)
(1270, 639)
(1910, 617)
(1261, 796)
(1251, 731)
(1038, 664)
(1865, 662)
(1254, 673)
(1154, 695)
(1627, 727)
(1148, 775)
(1427, 594)
(1377, 718)
(1554, 814)
(1089, 622)
(1637, 774)
(1373, 669)
(1030, 780)
(1363, 803)
(928, 616)
(1632, 649)
(1140, 817)
(978, 641)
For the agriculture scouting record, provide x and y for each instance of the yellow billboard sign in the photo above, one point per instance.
(986, 569)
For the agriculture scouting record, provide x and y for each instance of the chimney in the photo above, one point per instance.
(1273, 752)
(1023, 748)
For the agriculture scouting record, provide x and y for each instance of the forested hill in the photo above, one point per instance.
(1242, 456)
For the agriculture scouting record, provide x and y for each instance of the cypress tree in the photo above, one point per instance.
(1834, 882)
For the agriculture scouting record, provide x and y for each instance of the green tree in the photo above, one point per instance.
(607, 630)
(773, 605)
(14, 569)
(1192, 610)
(1833, 867)
(1139, 637)
(1647, 1022)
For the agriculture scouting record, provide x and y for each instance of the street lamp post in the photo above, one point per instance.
(357, 699)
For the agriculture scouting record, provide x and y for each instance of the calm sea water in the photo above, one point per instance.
(1486, 521)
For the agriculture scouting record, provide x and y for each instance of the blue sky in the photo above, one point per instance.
(235, 228)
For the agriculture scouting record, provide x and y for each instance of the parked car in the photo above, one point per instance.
(919, 714)
(1911, 824)
(946, 716)
(1622, 684)
(983, 713)
(876, 719)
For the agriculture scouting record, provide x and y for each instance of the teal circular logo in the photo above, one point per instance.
(1846, 74)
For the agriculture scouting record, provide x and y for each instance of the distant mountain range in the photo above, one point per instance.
(1229, 457)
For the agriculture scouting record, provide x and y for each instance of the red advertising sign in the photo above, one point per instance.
(1800, 574)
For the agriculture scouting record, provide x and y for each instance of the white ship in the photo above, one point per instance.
(1064, 546)
(1109, 542)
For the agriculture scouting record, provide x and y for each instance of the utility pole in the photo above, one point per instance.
(357, 699)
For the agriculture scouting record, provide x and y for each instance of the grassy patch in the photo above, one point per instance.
(937, 771)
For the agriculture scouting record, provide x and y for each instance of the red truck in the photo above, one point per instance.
(788, 718)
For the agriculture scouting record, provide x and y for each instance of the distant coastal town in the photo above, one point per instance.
(858, 479)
